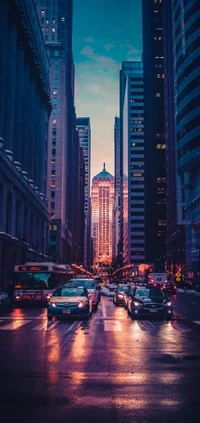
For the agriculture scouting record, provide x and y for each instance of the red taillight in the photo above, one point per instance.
(174, 286)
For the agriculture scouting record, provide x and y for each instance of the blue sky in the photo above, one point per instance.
(104, 34)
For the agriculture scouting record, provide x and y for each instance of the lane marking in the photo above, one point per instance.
(103, 310)
(112, 325)
(197, 322)
(46, 325)
(21, 317)
(14, 325)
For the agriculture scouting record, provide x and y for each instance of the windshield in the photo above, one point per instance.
(69, 292)
(122, 288)
(150, 292)
(36, 280)
(84, 282)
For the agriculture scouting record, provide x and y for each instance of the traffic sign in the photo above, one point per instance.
(178, 274)
(178, 279)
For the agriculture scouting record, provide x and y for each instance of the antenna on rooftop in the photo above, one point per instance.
(104, 166)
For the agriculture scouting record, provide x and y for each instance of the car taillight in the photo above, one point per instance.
(174, 286)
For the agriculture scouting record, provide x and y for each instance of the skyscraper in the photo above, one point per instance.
(186, 59)
(116, 209)
(56, 22)
(84, 130)
(102, 202)
(133, 213)
(154, 134)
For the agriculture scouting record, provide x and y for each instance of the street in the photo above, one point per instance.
(108, 369)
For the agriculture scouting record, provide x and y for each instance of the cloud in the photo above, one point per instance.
(108, 46)
(131, 49)
(97, 96)
(89, 39)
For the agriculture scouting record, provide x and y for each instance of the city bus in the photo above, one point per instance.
(35, 282)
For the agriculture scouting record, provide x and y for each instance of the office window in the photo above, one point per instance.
(53, 194)
(56, 72)
(56, 53)
(53, 141)
(55, 81)
(54, 111)
(54, 121)
(53, 172)
(53, 151)
(55, 91)
(53, 184)
(55, 100)
(52, 205)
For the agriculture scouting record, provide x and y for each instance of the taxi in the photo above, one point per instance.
(69, 301)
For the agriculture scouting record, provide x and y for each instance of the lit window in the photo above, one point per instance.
(55, 81)
(53, 184)
(157, 94)
(56, 72)
(52, 215)
(53, 162)
(137, 174)
(42, 12)
(53, 30)
(53, 172)
(54, 227)
(55, 111)
(47, 21)
(54, 121)
(62, 19)
(55, 91)
(55, 101)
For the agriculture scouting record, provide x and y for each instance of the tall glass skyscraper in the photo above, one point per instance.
(154, 134)
(55, 18)
(186, 58)
(133, 211)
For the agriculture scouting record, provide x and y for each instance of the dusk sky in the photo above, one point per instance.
(104, 34)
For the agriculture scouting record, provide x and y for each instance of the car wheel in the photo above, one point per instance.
(95, 307)
(133, 315)
(168, 317)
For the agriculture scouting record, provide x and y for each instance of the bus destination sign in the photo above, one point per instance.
(33, 268)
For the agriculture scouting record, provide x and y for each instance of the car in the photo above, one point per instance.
(169, 287)
(149, 301)
(91, 287)
(69, 301)
(127, 294)
(118, 297)
(5, 302)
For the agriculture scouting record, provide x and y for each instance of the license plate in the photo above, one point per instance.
(26, 297)
(66, 311)
(153, 311)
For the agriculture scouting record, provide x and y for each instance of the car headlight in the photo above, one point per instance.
(136, 303)
(81, 305)
(48, 296)
(53, 304)
(168, 304)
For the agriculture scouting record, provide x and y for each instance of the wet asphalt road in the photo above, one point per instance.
(109, 369)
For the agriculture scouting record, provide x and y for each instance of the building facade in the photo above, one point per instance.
(186, 59)
(84, 129)
(24, 74)
(116, 209)
(56, 23)
(133, 166)
(102, 202)
(154, 134)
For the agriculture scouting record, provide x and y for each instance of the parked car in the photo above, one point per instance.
(118, 297)
(149, 301)
(91, 286)
(169, 287)
(5, 302)
(69, 301)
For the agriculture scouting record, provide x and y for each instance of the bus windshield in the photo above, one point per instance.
(35, 280)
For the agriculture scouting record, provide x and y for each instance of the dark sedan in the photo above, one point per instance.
(118, 297)
(149, 301)
(127, 294)
(169, 288)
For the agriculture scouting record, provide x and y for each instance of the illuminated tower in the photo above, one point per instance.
(102, 209)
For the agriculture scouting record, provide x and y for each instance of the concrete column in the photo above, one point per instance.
(4, 208)
(10, 82)
(19, 94)
(3, 57)
(37, 139)
(42, 146)
(26, 114)
(33, 127)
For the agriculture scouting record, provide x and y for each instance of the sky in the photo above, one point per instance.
(105, 33)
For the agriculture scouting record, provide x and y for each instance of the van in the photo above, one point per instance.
(157, 278)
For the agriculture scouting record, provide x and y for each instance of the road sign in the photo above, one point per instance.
(178, 279)
(178, 274)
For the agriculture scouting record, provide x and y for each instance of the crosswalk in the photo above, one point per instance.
(108, 324)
